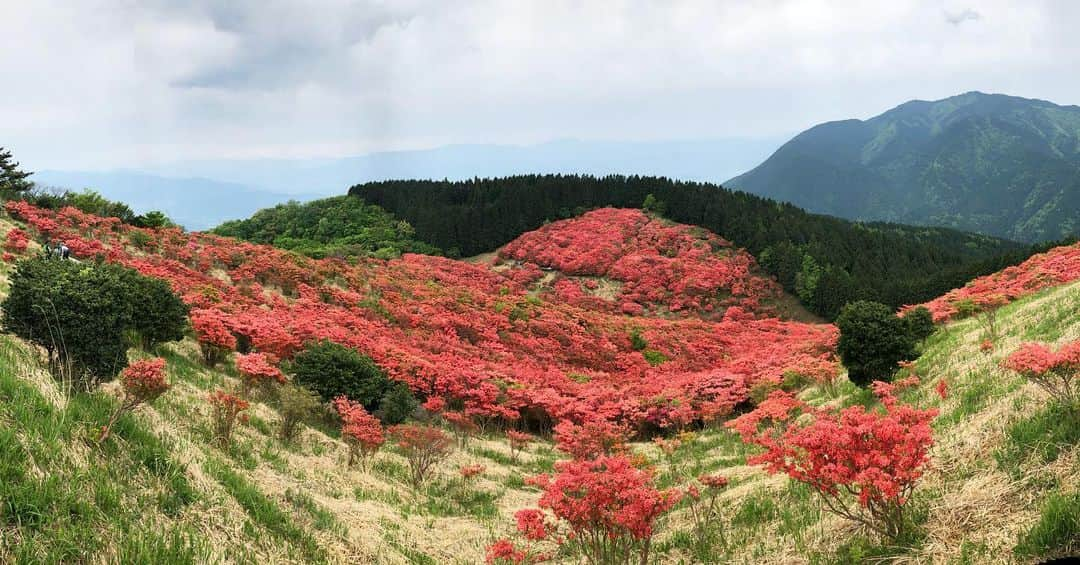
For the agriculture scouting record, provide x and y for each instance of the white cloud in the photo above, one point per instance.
(114, 83)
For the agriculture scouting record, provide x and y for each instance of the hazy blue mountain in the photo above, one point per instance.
(195, 203)
(202, 194)
(703, 160)
(989, 163)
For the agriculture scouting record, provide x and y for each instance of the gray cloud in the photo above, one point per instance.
(106, 83)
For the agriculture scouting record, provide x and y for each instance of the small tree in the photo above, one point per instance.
(518, 442)
(1058, 373)
(142, 382)
(872, 341)
(423, 447)
(332, 370)
(295, 405)
(12, 180)
(228, 409)
(361, 431)
(397, 405)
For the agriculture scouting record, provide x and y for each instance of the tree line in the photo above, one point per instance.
(825, 261)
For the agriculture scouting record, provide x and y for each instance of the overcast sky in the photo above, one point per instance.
(98, 84)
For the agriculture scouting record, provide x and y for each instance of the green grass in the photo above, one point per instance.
(176, 546)
(1057, 533)
(63, 496)
(265, 513)
(1040, 438)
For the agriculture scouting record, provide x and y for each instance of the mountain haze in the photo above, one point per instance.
(990, 163)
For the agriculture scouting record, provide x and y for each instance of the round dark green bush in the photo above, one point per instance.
(330, 370)
(872, 341)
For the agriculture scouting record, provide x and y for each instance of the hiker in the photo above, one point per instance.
(64, 251)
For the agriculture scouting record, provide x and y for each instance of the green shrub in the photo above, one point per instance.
(397, 405)
(82, 315)
(654, 357)
(920, 323)
(296, 405)
(331, 370)
(637, 342)
(872, 341)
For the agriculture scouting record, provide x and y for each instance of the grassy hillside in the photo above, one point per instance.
(1003, 487)
(988, 163)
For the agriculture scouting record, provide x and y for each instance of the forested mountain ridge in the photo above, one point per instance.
(826, 261)
(989, 163)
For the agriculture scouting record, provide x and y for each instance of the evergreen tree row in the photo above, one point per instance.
(825, 261)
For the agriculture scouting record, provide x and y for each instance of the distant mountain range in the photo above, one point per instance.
(202, 194)
(195, 203)
(988, 163)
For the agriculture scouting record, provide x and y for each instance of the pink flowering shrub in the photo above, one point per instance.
(875, 458)
(142, 382)
(1058, 373)
(609, 507)
(361, 431)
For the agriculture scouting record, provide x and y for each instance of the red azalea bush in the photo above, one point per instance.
(1058, 373)
(469, 472)
(424, 447)
(213, 334)
(361, 431)
(142, 381)
(875, 457)
(227, 409)
(609, 506)
(679, 268)
(256, 370)
(592, 438)
(16, 240)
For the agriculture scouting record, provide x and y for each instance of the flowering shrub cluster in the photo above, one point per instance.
(143, 382)
(16, 240)
(672, 268)
(593, 438)
(1057, 266)
(362, 432)
(469, 472)
(256, 370)
(477, 336)
(874, 457)
(608, 505)
(1057, 372)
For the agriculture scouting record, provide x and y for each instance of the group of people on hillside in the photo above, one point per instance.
(58, 250)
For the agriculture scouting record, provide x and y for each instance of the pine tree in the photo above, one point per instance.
(12, 180)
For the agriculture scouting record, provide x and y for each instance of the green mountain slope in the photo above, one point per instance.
(333, 226)
(990, 163)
